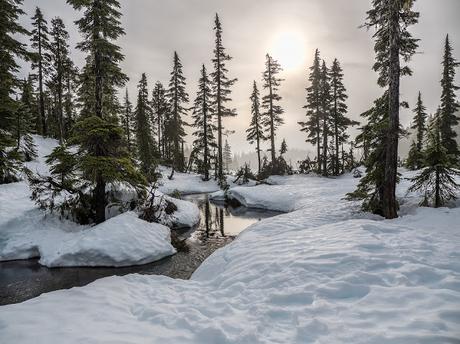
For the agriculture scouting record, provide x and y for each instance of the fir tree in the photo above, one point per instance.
(340, 122)
(437, 180)
(128, 122)
(313, 124)
(11, 49)
(145, 144)
(177, 97)
(203, 122)
(284, 147)
(449, 104)
(255, 132)
(160, 109)
(221, 89)
(41, 61)
(272, 116)
(227, 156)
(25, 122)
(393, 41)
(415, 156)
(325, 108)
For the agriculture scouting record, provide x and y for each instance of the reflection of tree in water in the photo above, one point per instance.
(213, 221)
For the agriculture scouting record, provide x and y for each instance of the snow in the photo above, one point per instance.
(321, 273)
(185, 183)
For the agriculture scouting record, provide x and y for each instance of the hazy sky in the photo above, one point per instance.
(289, 29)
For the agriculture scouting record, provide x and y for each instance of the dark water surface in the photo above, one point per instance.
(21, 280)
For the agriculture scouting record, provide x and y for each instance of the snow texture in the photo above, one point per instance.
(322, 273)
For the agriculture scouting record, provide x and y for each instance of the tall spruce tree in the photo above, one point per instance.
(177, 97)
(313, 124)
(393, 41)
(204, 123)
(449, 104)
(11, 49)
(437, 180)
(227, 156)
(272, 116)
(145, 144)
(340, 122)
(41, 61)
(255, 132)
(160, 109)
(415, 157)
(128, 122)
(221, 89)
(325, 108)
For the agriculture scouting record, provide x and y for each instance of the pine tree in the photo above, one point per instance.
(59, 58)
(340, 122)
(144, 141)
(227, 156)
(160, 109)
(437, 180)
(25, 121)
(177, 97)
(449, 104)
(221, 91)
(255, 132)
(313, 124)
(284, 147)
(203, 122)
(41, 61)
(128, 122)
(415, 156)
(11, 49)
(325, 108)
(393, 41)
(272, 116)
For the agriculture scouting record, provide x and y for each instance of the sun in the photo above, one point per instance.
(289, 50)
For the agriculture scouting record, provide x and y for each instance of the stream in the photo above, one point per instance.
(21, 280)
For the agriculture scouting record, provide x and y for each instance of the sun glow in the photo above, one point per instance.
(289, 50)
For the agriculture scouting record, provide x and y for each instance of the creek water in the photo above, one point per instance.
(21, 280)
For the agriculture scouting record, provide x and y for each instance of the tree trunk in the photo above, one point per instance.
(272, 124)
(40, 83)
(325, 146)
(391, 160)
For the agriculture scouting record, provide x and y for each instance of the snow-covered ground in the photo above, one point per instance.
(25, 231)
(322, 273)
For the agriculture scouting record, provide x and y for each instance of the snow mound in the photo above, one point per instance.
(185, 183)
(186, 215)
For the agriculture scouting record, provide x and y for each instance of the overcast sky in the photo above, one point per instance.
(289, 29)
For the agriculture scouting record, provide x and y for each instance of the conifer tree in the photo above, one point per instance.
(177, 97)
(25, 121)
(415, 156)
(393, 41)
(313, 124)
(284, 147)
(11, 49)
(128, 122)
(255, 132)
(340, 122)
(41, 61)
(160, 109)
(145, 144)
(221, 90)
(325, 108)
(449, 104)
(203, 122)
(437, 180)
(227, 156)
(272, 116)
(59, 58)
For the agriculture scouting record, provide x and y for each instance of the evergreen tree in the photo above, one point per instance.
(393, 41)
(227, 156)
(313, 124)
(10, 50)
(145, 144)
(25, 122)
(272, 116)
(128, 122)
(59, 57)
(203, 122)
(325, 108)
(415, 156)
(437, 180)
(177, 97)
(222, 91)
(284, 147)
(255, 132)
(41, 61)
(340, 122)
(160, 109)
(449, 104)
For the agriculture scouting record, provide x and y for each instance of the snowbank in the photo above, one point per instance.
(319, 274)
(185, 183)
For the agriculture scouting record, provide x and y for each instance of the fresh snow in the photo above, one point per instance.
(322, 273)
